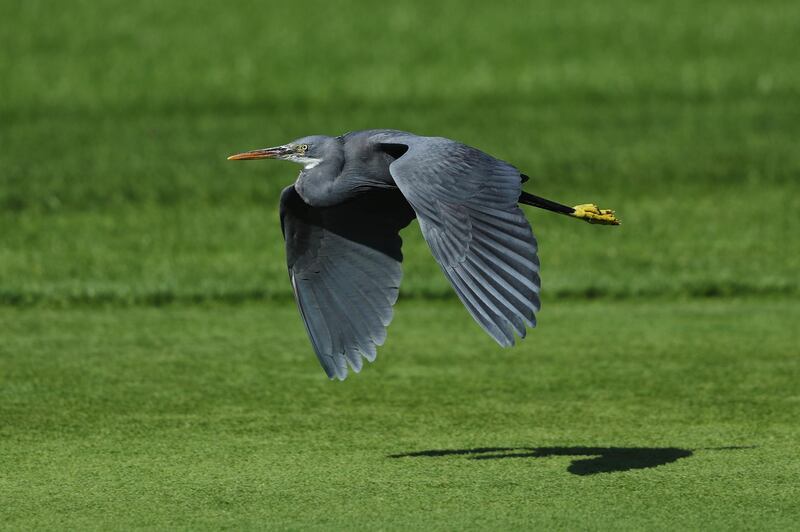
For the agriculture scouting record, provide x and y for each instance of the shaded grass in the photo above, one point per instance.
(114, 188)
(729, 243)
(569, 146)
(180, 52)
(214, 417)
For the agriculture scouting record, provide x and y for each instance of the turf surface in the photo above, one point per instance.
(195, 417)
(153, 370)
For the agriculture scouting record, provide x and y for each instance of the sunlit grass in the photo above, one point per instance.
(220, 416)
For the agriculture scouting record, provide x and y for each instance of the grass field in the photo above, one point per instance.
(154, 372)
(203, 416)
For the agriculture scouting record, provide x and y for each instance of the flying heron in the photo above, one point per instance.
(342, 217)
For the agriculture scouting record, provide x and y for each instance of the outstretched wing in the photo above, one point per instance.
(344, 264)
(466, 202)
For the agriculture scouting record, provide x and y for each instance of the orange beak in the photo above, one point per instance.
(277, 152)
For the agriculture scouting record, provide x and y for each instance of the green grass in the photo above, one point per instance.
(153, 370)
(194, 417)
(723, 243)
(117, 119)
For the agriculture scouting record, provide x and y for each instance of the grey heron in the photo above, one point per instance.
(342, 217)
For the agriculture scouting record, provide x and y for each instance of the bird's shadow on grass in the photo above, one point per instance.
(597, 459)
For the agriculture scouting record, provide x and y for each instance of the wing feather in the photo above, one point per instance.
(467, 205)
(345, 266)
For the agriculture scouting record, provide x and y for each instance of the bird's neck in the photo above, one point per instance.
(316, 183)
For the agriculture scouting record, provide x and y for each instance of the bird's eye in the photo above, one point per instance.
(303, 147)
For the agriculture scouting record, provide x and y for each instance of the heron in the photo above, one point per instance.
(341, 222)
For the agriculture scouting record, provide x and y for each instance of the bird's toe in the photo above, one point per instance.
(589, 212)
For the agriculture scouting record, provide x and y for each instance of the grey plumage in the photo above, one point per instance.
(466, 202)
(344, 265)
(341, 221)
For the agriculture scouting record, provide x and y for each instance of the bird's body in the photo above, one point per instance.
(341, 221)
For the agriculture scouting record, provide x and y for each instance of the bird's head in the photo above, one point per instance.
(308, 151)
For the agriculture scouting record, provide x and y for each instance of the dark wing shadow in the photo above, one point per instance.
(604, 459)
(600, 459)
(448, 452)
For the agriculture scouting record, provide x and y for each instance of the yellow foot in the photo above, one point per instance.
(589, 212)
